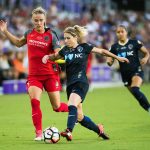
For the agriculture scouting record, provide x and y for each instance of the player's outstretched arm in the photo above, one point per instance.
(16, 41)
(109, 54)
(52, 57)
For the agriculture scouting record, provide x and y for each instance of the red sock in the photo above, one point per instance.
(63, 108)
(36, 114)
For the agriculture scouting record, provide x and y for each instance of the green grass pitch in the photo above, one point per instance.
(127, 124)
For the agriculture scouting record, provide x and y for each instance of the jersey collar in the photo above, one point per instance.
(123, 43)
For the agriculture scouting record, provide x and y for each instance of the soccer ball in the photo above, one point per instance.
(51, 135)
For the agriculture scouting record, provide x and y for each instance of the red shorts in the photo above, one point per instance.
(50, 83)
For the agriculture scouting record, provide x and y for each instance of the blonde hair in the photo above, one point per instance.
(80, 32)
(39, 10)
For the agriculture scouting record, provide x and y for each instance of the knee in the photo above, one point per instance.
(80, 117)
(56, 108)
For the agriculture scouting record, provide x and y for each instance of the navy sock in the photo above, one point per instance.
(89, 124)
(140, 97)
(72, 117)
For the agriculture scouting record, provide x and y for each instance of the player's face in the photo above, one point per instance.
(70, 41)
(121, 34)
(38, 21)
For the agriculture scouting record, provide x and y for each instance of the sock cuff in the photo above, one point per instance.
(85, 118)
(134, 87)
(72, 107)
(35, 102)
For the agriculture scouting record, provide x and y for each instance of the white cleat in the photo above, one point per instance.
(39, 138)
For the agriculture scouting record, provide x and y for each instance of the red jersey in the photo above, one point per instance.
(40, 44)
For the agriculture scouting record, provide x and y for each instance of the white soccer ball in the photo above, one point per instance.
(51, 135)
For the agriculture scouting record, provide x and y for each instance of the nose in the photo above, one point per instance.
(38, 22)
(66, 40)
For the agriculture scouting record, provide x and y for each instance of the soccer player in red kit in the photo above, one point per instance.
(40, 41)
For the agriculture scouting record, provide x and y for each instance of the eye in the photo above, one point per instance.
(67, 38)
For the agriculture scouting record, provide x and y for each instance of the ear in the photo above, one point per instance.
(44, 24)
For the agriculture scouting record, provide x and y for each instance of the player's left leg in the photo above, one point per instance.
(89, 124)
(55, 102)
(53, 87)
(135, 90)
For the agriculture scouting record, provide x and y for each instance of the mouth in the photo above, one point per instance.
(68, 44)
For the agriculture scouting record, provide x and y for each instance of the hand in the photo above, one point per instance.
(45, 59)
(3, 26)
(122, 59)
(143, 61)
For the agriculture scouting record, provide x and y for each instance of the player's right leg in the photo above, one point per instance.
(74, 101)
(35, 91)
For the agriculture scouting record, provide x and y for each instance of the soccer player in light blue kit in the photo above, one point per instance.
(76, 53)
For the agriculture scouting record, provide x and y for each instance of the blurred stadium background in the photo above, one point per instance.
(99, 16)
(127, 124)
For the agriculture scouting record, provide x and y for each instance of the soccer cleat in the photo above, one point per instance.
(67, 134)
(76, 122)
(101, 132)
(39, 136)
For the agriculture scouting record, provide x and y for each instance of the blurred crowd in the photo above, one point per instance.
(99, 21)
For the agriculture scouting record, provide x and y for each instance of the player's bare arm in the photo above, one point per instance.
(57, 50)
(109, 54)
(15, 40)
(145, 59)
(51, 57)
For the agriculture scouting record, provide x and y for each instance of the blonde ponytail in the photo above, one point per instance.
(81, 31)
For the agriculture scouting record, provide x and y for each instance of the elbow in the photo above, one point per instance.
(109, 64)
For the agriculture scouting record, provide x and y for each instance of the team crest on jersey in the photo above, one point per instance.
(80, 49)
(46, 38)
(130, 46)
